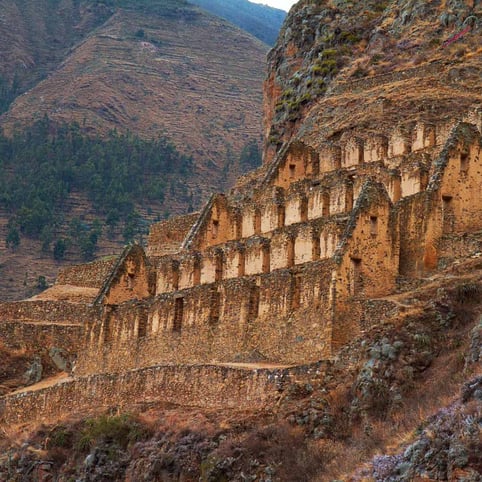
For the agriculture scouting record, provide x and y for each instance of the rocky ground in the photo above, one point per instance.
(401, 403)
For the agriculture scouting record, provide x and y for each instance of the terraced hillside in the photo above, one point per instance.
(151, 68)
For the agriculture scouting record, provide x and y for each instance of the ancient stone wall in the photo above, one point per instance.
(284, 315)
(43, 311)
(167, 236)
(40, 337)
(90, 275)
(197, 386)
(131, 278)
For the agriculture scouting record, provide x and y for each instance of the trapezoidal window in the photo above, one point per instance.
(257, 222)
(266, 257)
(292, 170)
(348, 197)
(356, 281)
(241, 263)
(281, 212)
(448, 216)
(316, 247)
(464, 162)
(290, 253)
(175, 276)
(215, 228)
(196, 272)
(373, 226)
(304, 210)
(325, 208)
(218, 274)
(178, 315)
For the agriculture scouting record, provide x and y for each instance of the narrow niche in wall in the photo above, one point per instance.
(218, 274)
(196, 272)
(325, 209)
(349, 197)
(304, 210)
(265, 253)
(257, 222)
(290, 262)
(373, 226)
(175, 276)
(316, 247)
(281, 216)
(464, 162)
(241, 263)
(292, 170)
(356, 281)
(448, 214)
(178, 314)
(215, 228)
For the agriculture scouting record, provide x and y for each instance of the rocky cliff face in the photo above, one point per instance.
(326, 46)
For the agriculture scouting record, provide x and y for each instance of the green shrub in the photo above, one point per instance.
(121, 430)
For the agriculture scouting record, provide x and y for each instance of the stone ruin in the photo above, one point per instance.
(282, 272)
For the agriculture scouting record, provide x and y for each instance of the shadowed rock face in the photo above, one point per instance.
(327, 50)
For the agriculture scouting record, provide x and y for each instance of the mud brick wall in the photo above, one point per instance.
(198, 386)
(90, 275)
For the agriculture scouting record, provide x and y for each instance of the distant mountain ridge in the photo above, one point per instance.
(262, 21)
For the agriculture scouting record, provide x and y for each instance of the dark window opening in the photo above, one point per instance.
(196, 275)
(241, 263)
(464, 162)
(448, 214)
(325, 210)
(304, 210)
(316, 249)
(292, 168)
(257, 222)
(175, 277)
(266, 259)
(215, 228)
(291, 253)
(218, 274)
(281, 216)
(355, 276)
(349, 198)
(373, 225)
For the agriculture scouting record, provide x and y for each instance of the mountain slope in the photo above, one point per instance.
(262, 21)
(157, 75)
(152, 69)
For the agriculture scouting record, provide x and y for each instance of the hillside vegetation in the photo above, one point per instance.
(262, 21)
(146, 116)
